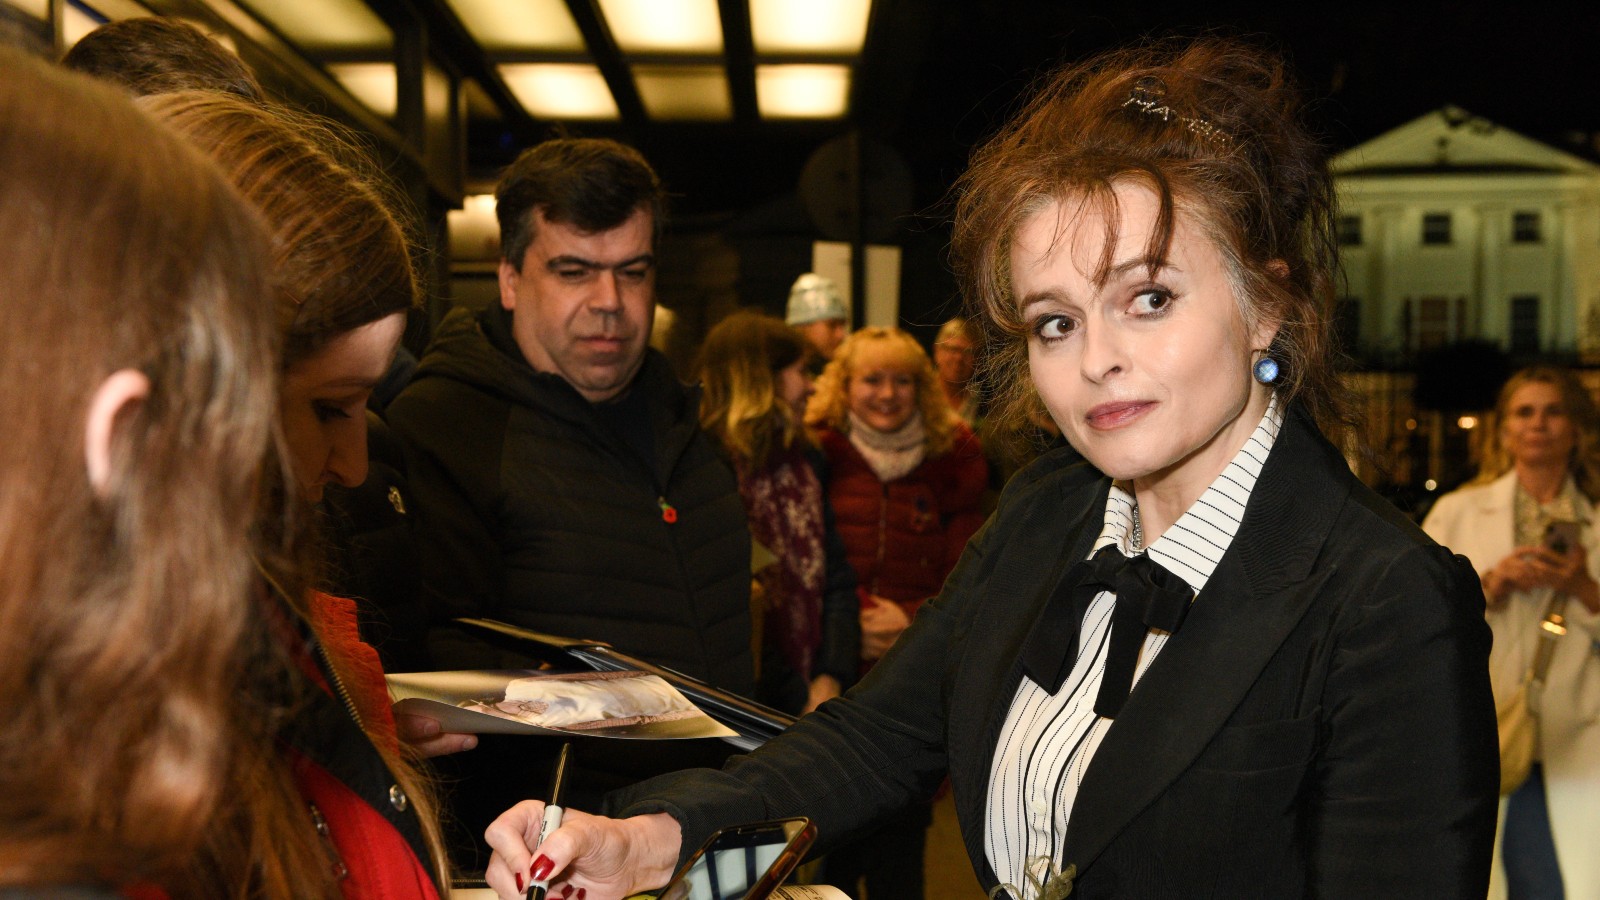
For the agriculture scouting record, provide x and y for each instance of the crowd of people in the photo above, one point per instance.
(1091, 564)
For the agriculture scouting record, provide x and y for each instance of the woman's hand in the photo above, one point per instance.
(604, 859)
(1572, 575)
(823, 689)
(1533, 567)
(881, 625)
(425, 736)
(1525, 569)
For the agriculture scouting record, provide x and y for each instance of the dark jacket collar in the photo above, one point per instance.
(479, 349)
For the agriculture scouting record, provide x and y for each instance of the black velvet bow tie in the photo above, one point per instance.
(1148, 597)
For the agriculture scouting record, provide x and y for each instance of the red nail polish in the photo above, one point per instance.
(542, 867)
(582, 893)
(519, 881)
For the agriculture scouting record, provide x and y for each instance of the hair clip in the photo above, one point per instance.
(1148, 95)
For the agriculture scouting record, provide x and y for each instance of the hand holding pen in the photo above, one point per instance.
(592, 857)
(539, 882)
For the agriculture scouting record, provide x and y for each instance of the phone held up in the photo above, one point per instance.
(1560, 536)
(742, 862)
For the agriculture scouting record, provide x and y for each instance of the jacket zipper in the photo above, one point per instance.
(338, 686)
(883, 535)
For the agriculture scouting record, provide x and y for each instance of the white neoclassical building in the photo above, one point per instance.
(1453, 228)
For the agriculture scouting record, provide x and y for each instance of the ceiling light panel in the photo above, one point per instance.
(802, 92)
(372, 83)
(528, 25)
(665, 26)
(560, 90)
(809, 26)
(327, 25)
(39, 9)
(75, 23)
(684, 93)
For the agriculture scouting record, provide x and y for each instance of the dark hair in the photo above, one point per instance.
(1209, 125)
(740, 405)
(158, 55)
(592, 184)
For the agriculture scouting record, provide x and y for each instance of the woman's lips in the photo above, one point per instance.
(1107, 416)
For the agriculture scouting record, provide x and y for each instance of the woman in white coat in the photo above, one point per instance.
(1542, 465)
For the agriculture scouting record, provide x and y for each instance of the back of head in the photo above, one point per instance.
(591, 184)
(741, 404)
(815, 298)
(342, 259)
(1211, 127)
(123, 610)
(159, 55)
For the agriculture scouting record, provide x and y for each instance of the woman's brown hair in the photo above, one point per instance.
(340, 260)
(830, 405)
(740, 406)
(1211, 126)
(124, 613)
(1580, 406)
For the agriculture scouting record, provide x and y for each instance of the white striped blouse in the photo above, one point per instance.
(1047, 740)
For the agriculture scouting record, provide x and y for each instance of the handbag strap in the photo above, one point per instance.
(1551, 628)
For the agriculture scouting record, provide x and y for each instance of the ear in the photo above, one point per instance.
(1267, 329)
(509, 279)
(123, 390)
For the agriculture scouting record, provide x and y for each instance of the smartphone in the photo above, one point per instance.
(1560, 536)
(743, 862)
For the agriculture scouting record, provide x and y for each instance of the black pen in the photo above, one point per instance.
(552, 816)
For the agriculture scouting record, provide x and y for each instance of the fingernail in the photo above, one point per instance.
(542, 867)
(519, 881)
(469, 743)
(582, 893)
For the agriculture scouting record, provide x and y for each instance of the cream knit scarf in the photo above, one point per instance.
(891, 454)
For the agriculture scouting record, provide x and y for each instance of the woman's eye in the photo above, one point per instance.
(1151, 302)
(1053, 328)
(329, 412)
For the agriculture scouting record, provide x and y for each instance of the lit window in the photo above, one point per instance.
(1436, 228)
(1349, 231)
(1347, 323)
(1526, 228)
(1525, 324)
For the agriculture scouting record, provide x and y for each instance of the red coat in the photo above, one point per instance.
(381, 863)
(904, 537)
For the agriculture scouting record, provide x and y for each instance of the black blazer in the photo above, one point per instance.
(1321, 726)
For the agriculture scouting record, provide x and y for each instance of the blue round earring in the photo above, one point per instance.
(1265, 370)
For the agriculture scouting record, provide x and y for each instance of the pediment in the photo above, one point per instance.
(1452, 140)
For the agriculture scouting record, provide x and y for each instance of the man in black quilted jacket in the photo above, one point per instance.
(559, 476)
